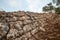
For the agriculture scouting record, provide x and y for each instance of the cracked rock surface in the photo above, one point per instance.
(29, 26)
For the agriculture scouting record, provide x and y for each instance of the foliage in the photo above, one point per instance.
(57, 4)
(58, 10)
(45, 8)
(48, 8)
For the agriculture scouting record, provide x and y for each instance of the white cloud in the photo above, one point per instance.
(34, 5)
(14, 3)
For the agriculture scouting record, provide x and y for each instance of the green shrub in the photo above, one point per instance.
(58, 10)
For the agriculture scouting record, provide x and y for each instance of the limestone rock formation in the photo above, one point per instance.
(29, 26)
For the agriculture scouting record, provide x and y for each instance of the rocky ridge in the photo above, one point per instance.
(29, 26)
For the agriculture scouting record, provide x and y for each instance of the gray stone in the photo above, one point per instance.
(4, 28)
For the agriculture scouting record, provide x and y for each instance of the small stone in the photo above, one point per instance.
(41, 28)
(15, 18)
(27, 21)
(12, 34)
(34, 31)
(27, 28)
(32, 38)
(24, 37)
(17, 26)
(20, 32)
(28, 35)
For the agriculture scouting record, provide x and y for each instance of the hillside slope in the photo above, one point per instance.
(29, 26)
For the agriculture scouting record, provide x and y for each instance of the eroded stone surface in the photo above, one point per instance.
(29, 26)
(4, 28)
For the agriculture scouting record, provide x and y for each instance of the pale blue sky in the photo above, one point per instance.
(23, 5)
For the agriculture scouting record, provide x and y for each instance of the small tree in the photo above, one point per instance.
(51, 7)
(58, 10)
(57, 4)
(48, 8)
(45, 8)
